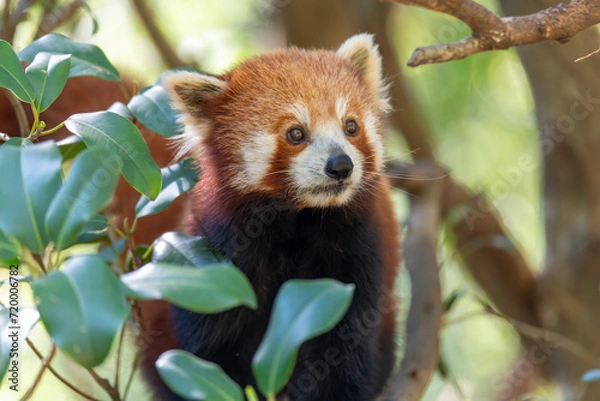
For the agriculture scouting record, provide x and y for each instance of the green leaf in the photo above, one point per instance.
(591, 376)
(210, 289)
(12, 76)
(303, 309)
(196, 379)
(121, 137)
(186, 250)
(48, 73)
(95, 228)
(121, 109)
(21, 322)
(87, 189)
(83, 307)
(70, 147)
(9, 250)
(111, 253)
(153, 108)
(176, 180)
(30, 178)
(88, 60)
(18, 142)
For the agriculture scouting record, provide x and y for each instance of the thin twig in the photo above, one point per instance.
(489, 32)
(58, 375)
(551, 337)
(587, 55)
(134, 367)
(40, 374)
(52, 20)
(105, 384)
(119, 352)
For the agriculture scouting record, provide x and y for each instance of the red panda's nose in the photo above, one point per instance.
(339, 166)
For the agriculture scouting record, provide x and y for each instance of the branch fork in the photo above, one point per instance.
(490, 32)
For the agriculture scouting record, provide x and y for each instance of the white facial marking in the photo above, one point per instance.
(308, 168)
(300, 111)
(256, 161)
(376, 140)
(340, 107)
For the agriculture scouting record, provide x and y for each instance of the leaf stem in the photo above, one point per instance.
(134, 366)
(119, 354)
(52, 130)
(58, 375)
(38, 378)
(36, 121)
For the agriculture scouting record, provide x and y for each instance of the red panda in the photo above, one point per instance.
(290, 149)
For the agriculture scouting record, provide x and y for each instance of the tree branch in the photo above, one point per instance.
(425, 313)
(38, 377)
(169, 56)
(489, 32)
(58, 375)
(487, 251)
(55, 18)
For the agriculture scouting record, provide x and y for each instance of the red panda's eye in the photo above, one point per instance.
(351, 128)
(296, 135)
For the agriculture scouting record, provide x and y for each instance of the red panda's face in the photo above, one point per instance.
(301, 125)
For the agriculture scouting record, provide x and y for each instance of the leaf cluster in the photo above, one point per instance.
(87, 275)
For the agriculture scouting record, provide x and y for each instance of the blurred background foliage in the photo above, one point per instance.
(479, 112)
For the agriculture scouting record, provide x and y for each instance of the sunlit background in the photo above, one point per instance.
(480, 113)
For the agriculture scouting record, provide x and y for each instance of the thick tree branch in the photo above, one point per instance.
(425, 313)
(489, 32)
(487, 251)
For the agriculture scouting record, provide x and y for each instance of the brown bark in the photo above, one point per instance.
(489, 32)
(567, 96)
(425, 314)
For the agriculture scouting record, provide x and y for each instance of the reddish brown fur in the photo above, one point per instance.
(223, 147)
(260, 86)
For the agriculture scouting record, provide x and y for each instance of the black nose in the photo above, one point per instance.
(339, 166)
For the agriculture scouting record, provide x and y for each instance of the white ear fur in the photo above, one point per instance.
(363, 54)
(190, 92)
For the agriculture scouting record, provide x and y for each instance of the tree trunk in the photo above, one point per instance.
(567, 96)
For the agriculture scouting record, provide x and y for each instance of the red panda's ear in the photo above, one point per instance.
(363, 54)
(191, 91)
